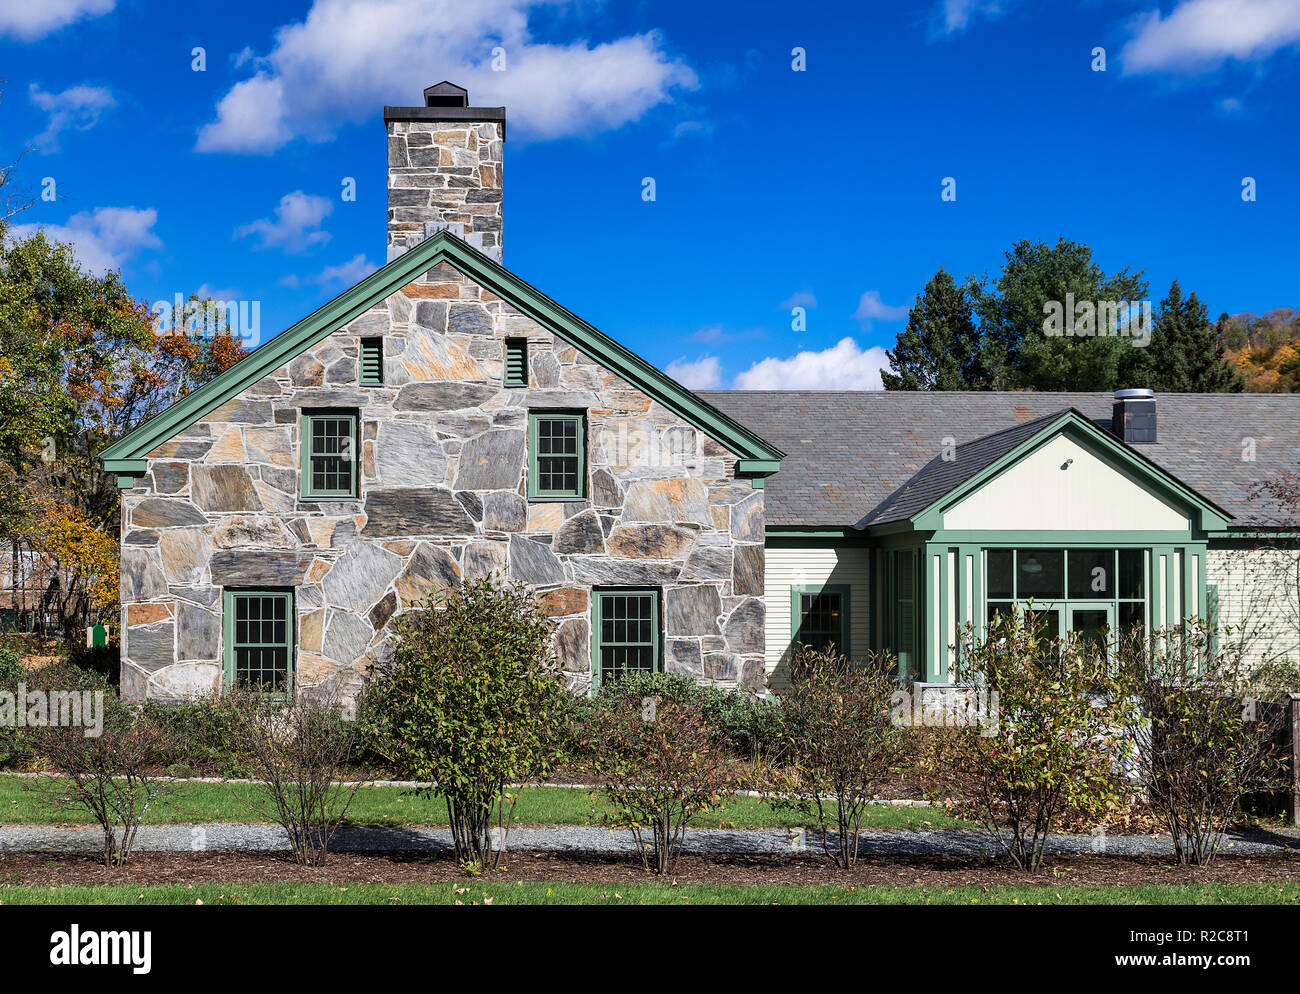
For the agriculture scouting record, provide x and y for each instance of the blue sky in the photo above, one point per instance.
(773, 187)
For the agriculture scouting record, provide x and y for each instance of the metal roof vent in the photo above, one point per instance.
(1133, 417)
(446, 94)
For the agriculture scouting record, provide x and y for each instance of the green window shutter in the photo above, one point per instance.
(516, 364)
(557, 455)
(259, 639)
(625, 629)
(905, 610)
(329, 454)
(372, 362)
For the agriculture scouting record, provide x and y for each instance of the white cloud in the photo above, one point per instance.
(803, 298)
(206, 290)
(349, 57)
(347, 273)
(28, 20)
(704, 373)
(1202, 34)
(102, 239)
(844, 366)
(955, 16)
(76, 107)
(872, 308)
(296, 225)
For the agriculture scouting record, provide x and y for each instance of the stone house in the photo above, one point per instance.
(443, 420)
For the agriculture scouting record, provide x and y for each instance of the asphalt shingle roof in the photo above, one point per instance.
(850, 451)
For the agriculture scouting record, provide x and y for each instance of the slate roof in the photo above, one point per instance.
(849, 451)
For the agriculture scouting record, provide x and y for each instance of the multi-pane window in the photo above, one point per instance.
(329, 454)
(1069, 588)
(822, 618)
(557, 448)
(626, 626)
(259, 639)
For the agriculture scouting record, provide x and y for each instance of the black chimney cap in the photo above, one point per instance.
(446, 94)
(446, 101)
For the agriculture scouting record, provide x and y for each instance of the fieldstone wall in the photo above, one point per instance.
(445, 174)
(443, 497)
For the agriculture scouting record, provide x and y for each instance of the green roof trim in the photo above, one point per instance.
(1206, 515)
(758, 457)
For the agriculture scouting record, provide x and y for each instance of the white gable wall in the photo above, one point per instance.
(1043, 493)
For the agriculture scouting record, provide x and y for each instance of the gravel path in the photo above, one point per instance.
(581, 838)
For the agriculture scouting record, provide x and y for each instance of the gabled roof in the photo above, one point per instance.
(850, 450)
(757, 457)
(944, 482)
(941, 476)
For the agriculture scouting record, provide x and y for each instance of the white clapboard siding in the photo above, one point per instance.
(791, 567)
(1258, 598)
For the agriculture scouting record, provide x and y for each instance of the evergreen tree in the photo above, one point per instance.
(940, 347)
(1185, 354)
(1038, 280)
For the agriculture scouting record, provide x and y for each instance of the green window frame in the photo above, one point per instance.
(557, 455)
(372, 362)
(626, 632)
(819, 616)
(329, 455)
(516, 362)
(258, 628)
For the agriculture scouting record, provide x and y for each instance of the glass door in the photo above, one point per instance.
(1093, 624)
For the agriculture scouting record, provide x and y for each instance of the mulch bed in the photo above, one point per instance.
(49, 870)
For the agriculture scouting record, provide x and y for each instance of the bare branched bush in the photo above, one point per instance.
(663, 765)
(838, 744)
(299, 753)
(1202, 743)
(111, 775)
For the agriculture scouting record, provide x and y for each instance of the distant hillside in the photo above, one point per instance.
(1265, 348)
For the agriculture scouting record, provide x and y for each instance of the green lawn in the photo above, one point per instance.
(533, 892)
(393, 806)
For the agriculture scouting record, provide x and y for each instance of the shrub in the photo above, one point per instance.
(12, 670)
(105, 660)
(471, 702)
(1202, 745)
(662, 765)
(109, 775)
(299, 750)
(750, 725)
(747, 724)
(839, 744)
(20, 746)
(203, 736)
(1057, 743)
(15, 744)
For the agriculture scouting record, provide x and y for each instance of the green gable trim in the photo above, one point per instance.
(763, 457)
(1206, 515)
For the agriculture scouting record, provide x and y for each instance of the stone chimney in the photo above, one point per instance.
(1133, 416)
(444, 170)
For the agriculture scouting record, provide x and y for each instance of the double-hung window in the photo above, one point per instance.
(557, 447)
(329, 454)
(625, 624)
(821, 617)
(259, 639)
